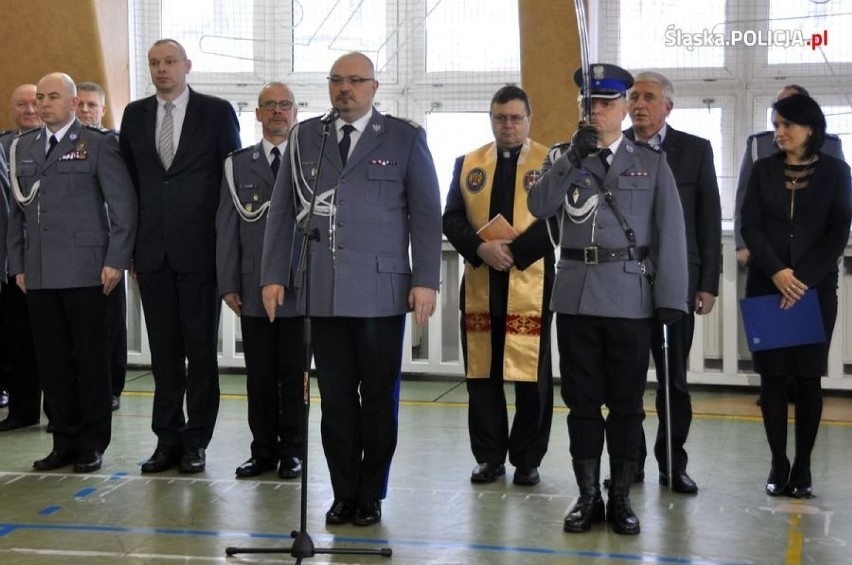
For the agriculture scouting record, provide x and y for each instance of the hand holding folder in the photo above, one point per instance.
(767, 326)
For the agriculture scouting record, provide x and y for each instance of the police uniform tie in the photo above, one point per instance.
(51, 144)
(345, 143)
(276, 161)
(604, 156)
(166, 143)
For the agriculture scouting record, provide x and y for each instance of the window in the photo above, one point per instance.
(323, 30)
(452, 134)
(472, 36)
(217, 34)
(822, 24)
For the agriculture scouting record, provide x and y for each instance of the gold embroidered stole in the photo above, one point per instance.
(526, 288)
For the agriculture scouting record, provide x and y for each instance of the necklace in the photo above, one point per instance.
(793, 182)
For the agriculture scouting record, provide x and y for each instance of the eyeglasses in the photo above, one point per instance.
(512, 118)
(270, 105)
(353, 80)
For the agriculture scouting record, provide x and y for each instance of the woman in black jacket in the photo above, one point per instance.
(795, 220)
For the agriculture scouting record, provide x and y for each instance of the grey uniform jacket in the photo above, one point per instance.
(760, 146)
(387, 199)
(239, 241)
(84, 214)
(645, 192)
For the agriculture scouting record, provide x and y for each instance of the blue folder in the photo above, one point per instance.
(767, 326)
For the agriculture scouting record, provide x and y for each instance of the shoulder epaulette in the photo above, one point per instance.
(412, 123)
(647, 146)
(7, 132)
(29, 132)
(241, 150)
(565, 143)
(103, 130)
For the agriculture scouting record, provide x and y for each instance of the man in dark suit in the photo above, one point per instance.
(175, 143)
(90, 111)
(16, 350)
(274, 353)
(690, 158)
(71, 235)
(378, 196)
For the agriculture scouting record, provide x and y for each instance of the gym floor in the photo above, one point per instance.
(433, 514)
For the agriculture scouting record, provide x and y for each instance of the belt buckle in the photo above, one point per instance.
(590, 255)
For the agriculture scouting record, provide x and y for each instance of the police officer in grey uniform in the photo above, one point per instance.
(274, 353)
(70, 236)
(621, 227)
(378, 198)
(16, 347)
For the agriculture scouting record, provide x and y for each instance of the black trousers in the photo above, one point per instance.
(275, 360)
(69, 333)
(603, 361)
(117, 336)
(488, 419)
(182, 316)
(19, 355)
(680, 342)
(358, 362)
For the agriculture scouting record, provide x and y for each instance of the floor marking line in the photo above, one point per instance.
(326, 539)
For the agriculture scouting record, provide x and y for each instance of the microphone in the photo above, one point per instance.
(332, 114)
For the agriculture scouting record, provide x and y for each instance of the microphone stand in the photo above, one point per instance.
(303, 545)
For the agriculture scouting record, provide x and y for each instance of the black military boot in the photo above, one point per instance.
(589, 508)
(618, 511)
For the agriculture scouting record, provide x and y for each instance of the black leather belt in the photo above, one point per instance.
(593, 255)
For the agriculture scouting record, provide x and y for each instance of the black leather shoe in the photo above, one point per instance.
(776, 483)
(341, 512)
(194, 460)
(681, 482)
(56, 459)
(163, 458)
(368, 513)
(88, 462)
(10, 424)
(290, 468)
(255, 466)
(115, 403)
(487, 472)
(800, 481)
(4, 399)
(526, 476)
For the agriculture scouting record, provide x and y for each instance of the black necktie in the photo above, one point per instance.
(51, 144)
(276, 161)
(345, 143)
(604, 154)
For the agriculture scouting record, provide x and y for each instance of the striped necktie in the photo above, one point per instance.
(166, 143)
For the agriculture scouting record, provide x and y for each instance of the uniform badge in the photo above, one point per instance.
(530, 178)
(475, 180)
(255, 156)
(255, 197)
(575, 196)
(598, 72)
(377, 128)
(72, 136)
(248, 207)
